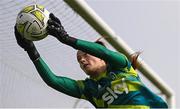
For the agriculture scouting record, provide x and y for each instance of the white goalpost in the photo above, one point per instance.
(20, 84)
(82, 8)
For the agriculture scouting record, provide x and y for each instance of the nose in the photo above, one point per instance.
(82, 60)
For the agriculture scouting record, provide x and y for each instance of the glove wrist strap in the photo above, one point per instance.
(33, 54)
(71, 41)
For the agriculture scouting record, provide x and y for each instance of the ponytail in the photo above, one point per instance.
(133, 59)
(100, 42)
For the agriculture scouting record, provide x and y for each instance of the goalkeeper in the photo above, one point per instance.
(112, 82)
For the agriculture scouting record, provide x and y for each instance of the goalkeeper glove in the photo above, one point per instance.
(56, 29)
(27, 45)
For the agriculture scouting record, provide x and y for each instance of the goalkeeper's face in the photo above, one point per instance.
(91, 65)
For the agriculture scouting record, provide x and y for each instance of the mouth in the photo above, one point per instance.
(85, 65)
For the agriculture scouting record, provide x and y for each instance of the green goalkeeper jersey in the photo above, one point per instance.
(119, 87)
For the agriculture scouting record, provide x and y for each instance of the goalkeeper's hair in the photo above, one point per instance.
(100, 42)
(133, 57)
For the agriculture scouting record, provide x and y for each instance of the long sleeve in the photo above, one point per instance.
(115, 59)
(62, 84)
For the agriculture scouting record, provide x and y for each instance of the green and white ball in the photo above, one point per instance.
(31, 22)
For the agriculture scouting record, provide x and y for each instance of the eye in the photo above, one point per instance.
(82, 55)
(78, 58)
(85, 54)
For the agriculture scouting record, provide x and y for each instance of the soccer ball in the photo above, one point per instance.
(31, 22)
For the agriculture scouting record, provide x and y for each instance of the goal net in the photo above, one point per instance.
(20, 84)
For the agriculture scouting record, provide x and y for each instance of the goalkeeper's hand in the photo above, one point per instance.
(56, 29)
(27, 45)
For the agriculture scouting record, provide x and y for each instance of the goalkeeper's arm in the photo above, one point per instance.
(56, 29)
(62, 84)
